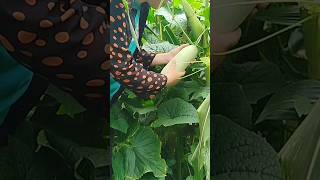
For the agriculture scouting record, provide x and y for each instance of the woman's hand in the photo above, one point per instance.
(173, 76)
(165, 58)
(224, 42)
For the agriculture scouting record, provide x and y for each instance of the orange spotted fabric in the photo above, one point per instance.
(63, 41)
(131, 71)
(67, 42)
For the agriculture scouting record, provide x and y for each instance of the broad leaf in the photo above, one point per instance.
(149, 176)
(162, 47)
(84, 160)
(239, 154)
(258, 79)
(118, 120)
(201, 93)
(138, 155)
(281, 106)
(175, 22)
(187, 90)
(302, 105)
(176, 111)
(230, 101)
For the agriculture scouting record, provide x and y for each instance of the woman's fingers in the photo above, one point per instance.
(176, 50)
(182, 46)
(233, 38)
(225, 41)
(180, 74)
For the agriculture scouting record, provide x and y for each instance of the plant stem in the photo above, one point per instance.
(160, 28)
(179, 153)
(132, 30)
(188, 38)
(193, 73)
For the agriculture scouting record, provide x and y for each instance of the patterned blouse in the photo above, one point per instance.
(67, 42)
(131, 71)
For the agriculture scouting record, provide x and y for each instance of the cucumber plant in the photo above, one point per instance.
(168, 137)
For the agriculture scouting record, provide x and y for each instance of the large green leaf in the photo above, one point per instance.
(230, 101)
(303, 105)
(176, 111)
(118, 165)
(175, 22)
(138, 155)
(258, 79)
(118, 120)
(300, 155)
(162, 47)
(239, 154)
(201, 93)
(149, 176)
(83, 160)
(19, 161)
(282, 105)
(189, 90)
(170, 36)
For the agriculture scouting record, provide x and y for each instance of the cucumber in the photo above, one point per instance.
(182, 59)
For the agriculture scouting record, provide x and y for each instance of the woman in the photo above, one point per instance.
(66, 43)
(130, 64)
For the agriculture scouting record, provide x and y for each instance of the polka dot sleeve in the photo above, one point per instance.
(125, 68)
(145, 58)
(65, 42)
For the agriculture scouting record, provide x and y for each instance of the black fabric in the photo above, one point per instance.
(22, 107)
(143, 19)
(95, 2)
(66, 48)
(3, 137)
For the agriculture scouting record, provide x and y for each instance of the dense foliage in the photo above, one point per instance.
(168, 138)
(58, 140)
(265, 97)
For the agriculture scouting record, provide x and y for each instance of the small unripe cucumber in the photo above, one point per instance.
(182, 59)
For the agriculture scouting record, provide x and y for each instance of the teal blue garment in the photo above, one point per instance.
(14, 81)
(114, 85)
